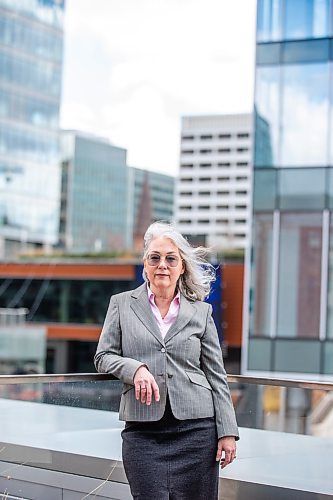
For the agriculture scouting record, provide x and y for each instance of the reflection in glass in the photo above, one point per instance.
(265, 189)
(299, 275)
(267, 104)
(269, 20)
(305, 104)
(297, 357)
(302, 189)
(306, 19)
(261, 289)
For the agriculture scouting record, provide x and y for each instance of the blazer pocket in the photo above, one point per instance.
(197, 378)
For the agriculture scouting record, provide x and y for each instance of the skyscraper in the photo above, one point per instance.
(31, 46)
(213, 189)
(94, 201)
(289, 293)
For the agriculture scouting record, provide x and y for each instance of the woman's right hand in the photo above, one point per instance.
(145, 386)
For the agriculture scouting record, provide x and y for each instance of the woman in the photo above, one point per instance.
(161, 341)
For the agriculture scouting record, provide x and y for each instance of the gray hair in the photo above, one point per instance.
(195, 282)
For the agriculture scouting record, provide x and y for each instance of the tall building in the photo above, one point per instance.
(213, 188)
(31, 45)
(152, 196)
(94, 199)
(288, 325)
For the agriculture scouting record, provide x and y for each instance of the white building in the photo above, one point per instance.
(213, 192)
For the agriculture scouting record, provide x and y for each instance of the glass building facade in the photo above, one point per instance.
(31, 46)
(94, 201)
(289, 326)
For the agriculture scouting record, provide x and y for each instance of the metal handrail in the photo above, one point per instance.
(90, 377)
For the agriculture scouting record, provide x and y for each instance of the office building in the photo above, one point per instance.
(288, 326)
(94, 200)
(213, 188)
(152, 196)
(31, 47)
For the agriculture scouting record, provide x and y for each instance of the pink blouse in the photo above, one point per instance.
(164, 323)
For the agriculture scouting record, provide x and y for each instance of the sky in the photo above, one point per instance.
(133, 68)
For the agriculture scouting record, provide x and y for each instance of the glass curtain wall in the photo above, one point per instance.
(291, 286)
(31, 43)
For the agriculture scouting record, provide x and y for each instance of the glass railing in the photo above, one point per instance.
(286, 429)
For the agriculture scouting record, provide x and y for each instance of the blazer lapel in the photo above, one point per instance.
(140, 306)
(186, 312)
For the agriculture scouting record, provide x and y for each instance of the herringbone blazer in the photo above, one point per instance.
(187, 364)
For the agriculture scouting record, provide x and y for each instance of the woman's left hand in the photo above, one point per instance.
(228, 445)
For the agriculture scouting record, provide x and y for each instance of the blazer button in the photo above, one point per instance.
(170, 375)
(162, 350)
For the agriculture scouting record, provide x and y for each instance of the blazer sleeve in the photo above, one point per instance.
(108, 357)
(213, 367)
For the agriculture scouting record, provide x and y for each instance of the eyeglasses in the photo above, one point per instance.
(170, 260)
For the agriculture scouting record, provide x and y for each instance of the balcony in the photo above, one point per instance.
(60, 439)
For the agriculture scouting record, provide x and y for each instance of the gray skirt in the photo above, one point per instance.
(171, 459)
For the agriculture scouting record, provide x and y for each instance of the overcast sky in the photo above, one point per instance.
(132, 68)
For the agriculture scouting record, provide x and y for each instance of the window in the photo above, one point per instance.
(241, 192)
(241, 178)
(205, 165)
(204, 193)
(187, 151)
(222, 221)
(242, 164)
(223, 193)
(187, 165)
(188, 137)
(240, 235)
(240, 207)
(242, 150)
(205, 151)
(203, 221)
(223, 164)
(205, 179)
(203, 207)
(224, 150)
(206, 137)
(224, 178)
(186, 193)
(185, 207)
(224, 136)
(240, 221)
(186, 179)
(243, 135)
(185, 221)
(223, 207)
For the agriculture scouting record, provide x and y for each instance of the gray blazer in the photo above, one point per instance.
(187, 364)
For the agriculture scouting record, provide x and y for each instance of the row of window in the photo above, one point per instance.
(209, 193)
(210, 165)
(28, 109)
(22, 36)
(44, 77)
(209, 179)
(36, 147)
(211, 151)
(207, 137)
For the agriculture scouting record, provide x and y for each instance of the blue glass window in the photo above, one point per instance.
(306, 19)
(305, 116)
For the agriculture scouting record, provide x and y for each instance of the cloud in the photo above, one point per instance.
(138, 65)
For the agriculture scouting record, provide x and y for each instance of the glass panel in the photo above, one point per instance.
(261, 279)
(265, 189)
(328, 358)
(267, 103)
(299, 275)
(297, 356)
(268, 53)
(306, 19)
(305, 51)
(269, 20)
(259, 354)
(302, 189)
(330, 141)
(305, 115)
